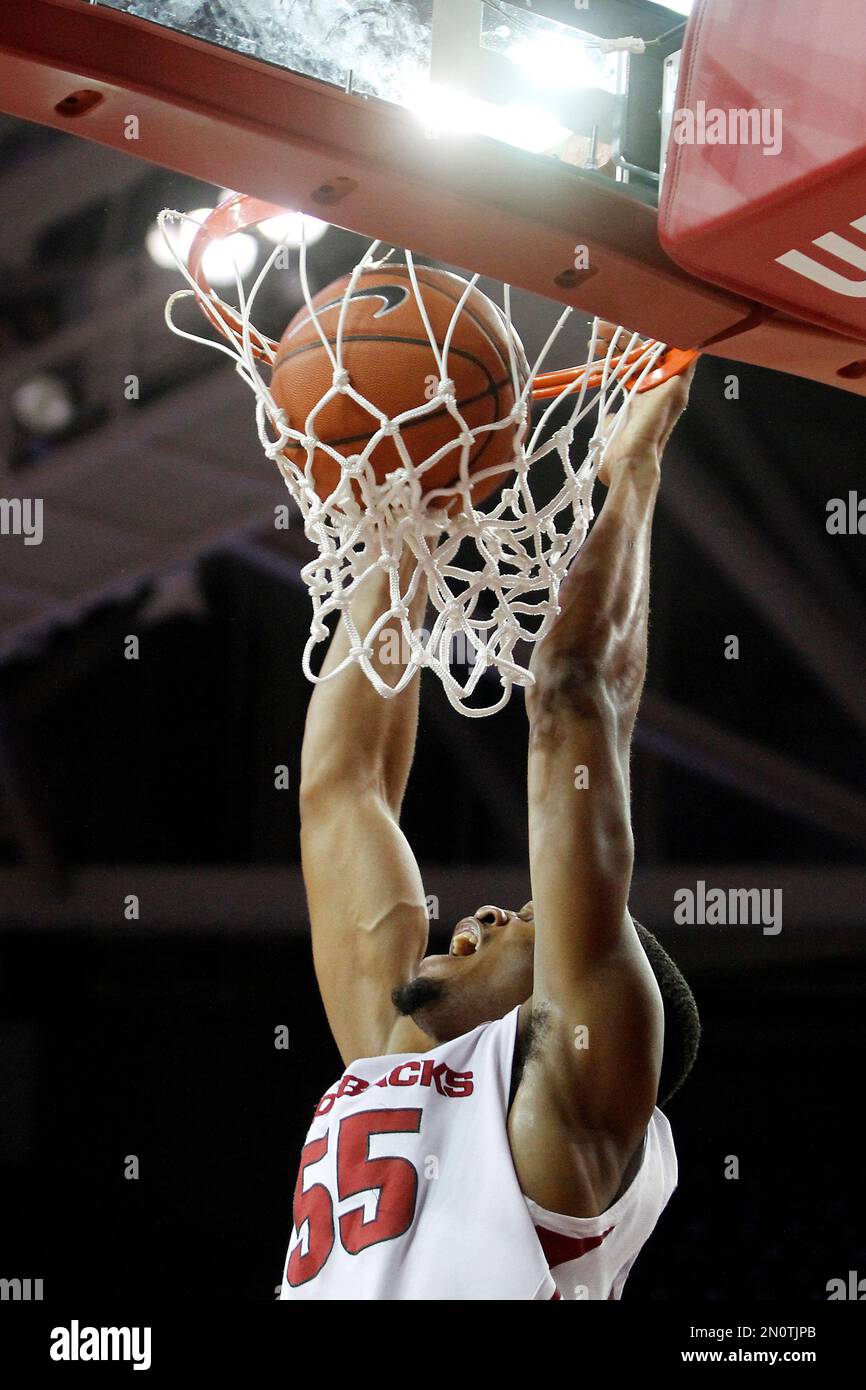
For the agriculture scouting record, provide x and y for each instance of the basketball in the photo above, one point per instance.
(387, 352)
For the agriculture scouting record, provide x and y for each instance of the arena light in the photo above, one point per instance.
(287, 228)
(528, 128)
(445, 110)
(224, 260)
(562, 63)
(448, 111)
(180, 235)
(44, 405)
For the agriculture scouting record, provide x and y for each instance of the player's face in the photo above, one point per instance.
(486, 972)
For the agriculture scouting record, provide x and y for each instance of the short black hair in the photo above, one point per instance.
(682, 1020)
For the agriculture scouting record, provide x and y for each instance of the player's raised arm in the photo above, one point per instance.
(590, 971)
(364, 890)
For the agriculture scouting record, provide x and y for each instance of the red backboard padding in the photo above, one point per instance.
(786, 228)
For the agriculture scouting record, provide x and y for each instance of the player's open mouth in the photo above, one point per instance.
(465, 940)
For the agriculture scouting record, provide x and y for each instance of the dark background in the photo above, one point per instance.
(156, 778)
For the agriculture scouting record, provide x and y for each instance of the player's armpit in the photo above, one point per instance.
(368, 915)
(589, 1083)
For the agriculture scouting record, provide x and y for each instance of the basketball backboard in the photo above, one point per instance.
(461, 128)
(459, 66)
(512, 139)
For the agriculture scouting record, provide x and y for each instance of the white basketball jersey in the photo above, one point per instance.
(407, 1189)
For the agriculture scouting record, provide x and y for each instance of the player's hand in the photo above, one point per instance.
(651, 418)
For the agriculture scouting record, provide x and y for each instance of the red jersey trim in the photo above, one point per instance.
(560, 1249)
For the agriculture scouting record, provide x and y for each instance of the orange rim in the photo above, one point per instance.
(548, 385)
(240, 211)
(236, 213)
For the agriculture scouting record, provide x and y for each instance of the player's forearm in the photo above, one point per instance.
(597, 646)
(352, 734)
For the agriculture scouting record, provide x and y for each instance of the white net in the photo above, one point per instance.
(492, 576)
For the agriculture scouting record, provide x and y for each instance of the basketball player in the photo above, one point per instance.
(495, 1133)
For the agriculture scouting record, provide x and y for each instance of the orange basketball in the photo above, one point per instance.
(390, 361)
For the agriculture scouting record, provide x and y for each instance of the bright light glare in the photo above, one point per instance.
(180, 235)
(528, 128)
(219, 260)
(44, 404)
(445, 111)
(556, 62)
(288, 227)
(234, 255)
